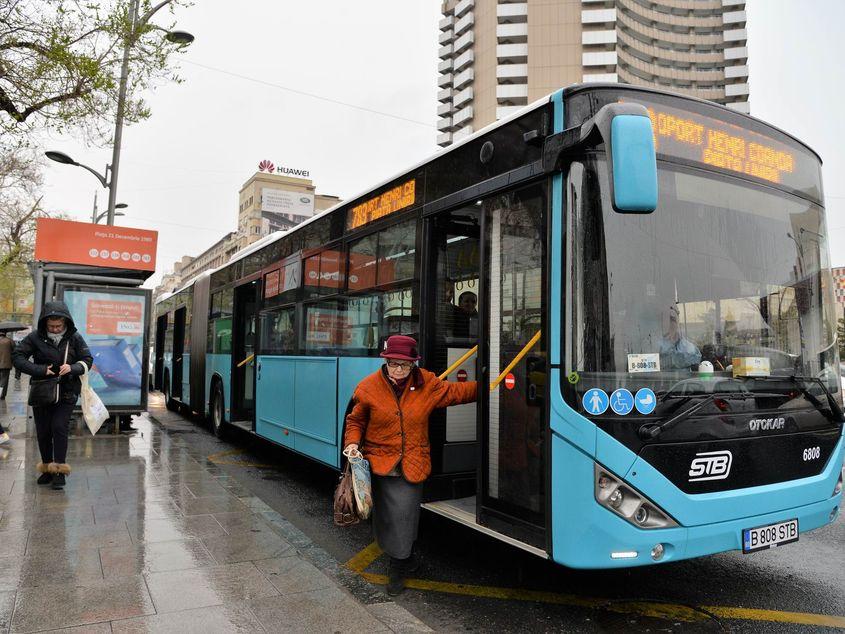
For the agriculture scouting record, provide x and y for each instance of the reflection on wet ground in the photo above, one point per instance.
(149, 536)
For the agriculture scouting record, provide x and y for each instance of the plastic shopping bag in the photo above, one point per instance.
(93, 410)
(361, 485)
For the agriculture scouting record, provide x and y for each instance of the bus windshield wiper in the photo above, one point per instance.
(834, 412)
(650, 431)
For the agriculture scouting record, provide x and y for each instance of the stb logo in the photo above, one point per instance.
(266, 166)
(710, 465)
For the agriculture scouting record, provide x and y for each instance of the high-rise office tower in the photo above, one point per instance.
(496, 56)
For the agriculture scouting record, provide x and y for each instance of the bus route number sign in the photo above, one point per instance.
(386, 203)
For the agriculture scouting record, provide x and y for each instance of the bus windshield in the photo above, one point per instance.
(723, 270)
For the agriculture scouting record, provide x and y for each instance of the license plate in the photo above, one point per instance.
(770, 536)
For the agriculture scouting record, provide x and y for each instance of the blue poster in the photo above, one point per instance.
(112, 324)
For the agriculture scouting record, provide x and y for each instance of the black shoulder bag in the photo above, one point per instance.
(45, 391)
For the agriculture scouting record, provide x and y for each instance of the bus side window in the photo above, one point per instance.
(278, 331)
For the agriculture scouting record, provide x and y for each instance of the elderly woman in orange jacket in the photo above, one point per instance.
(389, 421)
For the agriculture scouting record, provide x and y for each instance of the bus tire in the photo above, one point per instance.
(169, 403)
(217, 410)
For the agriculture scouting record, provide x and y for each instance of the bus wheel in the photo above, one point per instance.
(169, 403)
(218, 421)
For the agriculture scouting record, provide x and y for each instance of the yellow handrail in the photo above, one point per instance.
(516, 360)
(247, 360)
(457, 363)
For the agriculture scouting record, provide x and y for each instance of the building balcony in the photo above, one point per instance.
(509, 13)
(464, 23)
(512, 73)
(513, 53)
(735, 90)
(598, 16)
(737, 18)
(445, 37)
(740, 106)
(589, 38)
(604, 78)
(736, 36)
(444, 95)
(447, 22)
(512, 33)
(512, 92)
(445, 52)
(506, 111)
(444, 139)
(465, 41)
(734, 72)
(463, 78)
(461, 116)
(444, 80)
(463, 60)
(462, 133)
(738, 52)
(444, 109)
(603, 58)
(733, 3)
(462, 98)
(444, 123)
(463, 6)
(445, 66)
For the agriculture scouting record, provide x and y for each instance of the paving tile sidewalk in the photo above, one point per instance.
(149, 537)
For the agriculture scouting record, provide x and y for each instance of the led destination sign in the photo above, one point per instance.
(692, 136)
(387, 203)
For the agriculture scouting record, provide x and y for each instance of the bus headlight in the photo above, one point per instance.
(838, 488)
(628, 503)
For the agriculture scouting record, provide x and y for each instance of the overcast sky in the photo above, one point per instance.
(242, 101)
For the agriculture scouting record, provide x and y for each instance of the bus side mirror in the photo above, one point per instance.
(631, 160)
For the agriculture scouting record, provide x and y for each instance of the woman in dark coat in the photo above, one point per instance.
(389, 421)
(55, 336)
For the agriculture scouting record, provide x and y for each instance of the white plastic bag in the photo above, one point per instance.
(93, 410)
(361, 483)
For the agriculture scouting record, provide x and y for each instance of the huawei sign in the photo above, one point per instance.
(266, 166)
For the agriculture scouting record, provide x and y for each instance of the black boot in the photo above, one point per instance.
(396, 577)
(45, 478)
(59, 481)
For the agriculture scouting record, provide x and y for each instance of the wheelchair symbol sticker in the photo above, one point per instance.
(595, 401)
(621, 402)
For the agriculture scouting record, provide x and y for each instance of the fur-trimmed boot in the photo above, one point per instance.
(62, 470)
(46, 476)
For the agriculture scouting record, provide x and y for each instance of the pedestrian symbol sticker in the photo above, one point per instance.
(645, 401)
(595, 401)
(622, 402)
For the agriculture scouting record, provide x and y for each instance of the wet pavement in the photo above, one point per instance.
(151, 536)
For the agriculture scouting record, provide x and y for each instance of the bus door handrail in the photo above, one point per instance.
(245, 361)
(516, 360)
(531, 343)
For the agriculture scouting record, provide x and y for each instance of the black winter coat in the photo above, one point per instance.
(38, 346)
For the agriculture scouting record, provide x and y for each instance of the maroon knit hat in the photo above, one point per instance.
(401, 347)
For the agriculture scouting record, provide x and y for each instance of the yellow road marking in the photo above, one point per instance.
(360, 562)
(221, 458)
(668, 611)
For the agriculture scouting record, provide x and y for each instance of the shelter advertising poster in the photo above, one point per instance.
(112, 323)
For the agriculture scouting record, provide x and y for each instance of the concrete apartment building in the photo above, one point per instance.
(497, 56)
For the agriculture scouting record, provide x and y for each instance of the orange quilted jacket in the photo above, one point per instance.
(397, 429)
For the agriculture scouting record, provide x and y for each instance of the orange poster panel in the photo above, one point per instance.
(95, 245)
(114, 318)
(271, 284)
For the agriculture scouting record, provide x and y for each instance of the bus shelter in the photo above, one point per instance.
(98, 272)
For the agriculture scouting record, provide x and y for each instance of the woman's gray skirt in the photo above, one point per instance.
(396, 514)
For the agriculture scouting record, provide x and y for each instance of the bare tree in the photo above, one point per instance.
(60, 62)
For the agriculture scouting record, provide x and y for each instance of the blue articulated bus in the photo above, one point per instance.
(642, 279)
